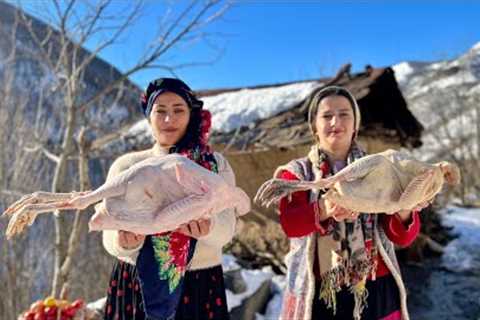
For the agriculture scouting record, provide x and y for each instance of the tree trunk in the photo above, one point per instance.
(78, 226)
(59, 185)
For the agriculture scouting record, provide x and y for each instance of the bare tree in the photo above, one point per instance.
(65, 100)
(16, 165)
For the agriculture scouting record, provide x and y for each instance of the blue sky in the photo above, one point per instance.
(278, 41)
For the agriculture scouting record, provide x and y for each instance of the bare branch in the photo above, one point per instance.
(119, 31)
(164, 48)
(160, 50)
(215, 16)
(100, 142)
(47, 153)
(173, 68)
(176, 23)
(91, 23)
(63, 16)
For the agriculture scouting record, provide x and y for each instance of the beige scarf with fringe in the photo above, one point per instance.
(342, 255)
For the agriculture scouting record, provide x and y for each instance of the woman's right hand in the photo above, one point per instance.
(129, 240)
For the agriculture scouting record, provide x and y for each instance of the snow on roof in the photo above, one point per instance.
(235, 109)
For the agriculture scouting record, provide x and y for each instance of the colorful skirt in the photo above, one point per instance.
(203, 295)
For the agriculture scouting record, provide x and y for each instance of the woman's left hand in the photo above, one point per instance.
(196, 228)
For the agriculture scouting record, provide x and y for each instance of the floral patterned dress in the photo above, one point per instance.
(160, 286)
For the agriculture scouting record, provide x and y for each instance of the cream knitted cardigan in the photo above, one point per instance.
(208, 251)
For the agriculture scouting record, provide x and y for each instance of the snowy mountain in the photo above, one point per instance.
(34, 81)
(445, 96)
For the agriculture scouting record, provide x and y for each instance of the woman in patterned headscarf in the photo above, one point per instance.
(341, 264)
(175, 274)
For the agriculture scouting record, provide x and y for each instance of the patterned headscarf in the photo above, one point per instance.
(198, 128)
(161, 85)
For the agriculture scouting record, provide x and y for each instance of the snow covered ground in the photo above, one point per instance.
(275, 304)
(252, 278)
(463, 253)
(449, 287)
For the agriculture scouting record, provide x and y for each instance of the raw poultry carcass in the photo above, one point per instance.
(385, 182)
(153, 196)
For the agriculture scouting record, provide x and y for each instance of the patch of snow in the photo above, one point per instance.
(253, 279)
(232, 110)
(461, 78)
(403, 71)
(48, 80)
(98, 304)
(116, 113)
(474, 90)
(141, 127)
(229, 263)
(438, 65)
(471, 55)
(462, 253)
(274, 306)
(476, 47)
